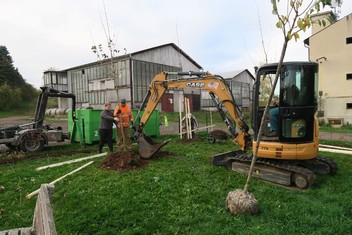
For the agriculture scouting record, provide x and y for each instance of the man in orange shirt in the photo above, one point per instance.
(124, 115)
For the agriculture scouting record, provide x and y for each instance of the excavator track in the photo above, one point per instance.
(271, 170)
(277, 172)
(320, 165)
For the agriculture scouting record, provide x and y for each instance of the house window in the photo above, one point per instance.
(349, 76)
(348, 105)
(349, 40)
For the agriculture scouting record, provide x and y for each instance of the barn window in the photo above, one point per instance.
(348, 105)
(349, 40)
(349, 76)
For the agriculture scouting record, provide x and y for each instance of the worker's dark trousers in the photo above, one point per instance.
(105, 135)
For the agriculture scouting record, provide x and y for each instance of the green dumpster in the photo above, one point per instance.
(152, 128)
(88, 121)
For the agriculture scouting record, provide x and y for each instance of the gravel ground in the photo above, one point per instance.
(53, 122)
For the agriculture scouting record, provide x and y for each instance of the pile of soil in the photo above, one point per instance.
(218, 133)
(126, 161)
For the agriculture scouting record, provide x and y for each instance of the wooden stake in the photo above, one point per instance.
(180, 107)
(28, 196)
(189, 120)
(211, 119)
(186, 121)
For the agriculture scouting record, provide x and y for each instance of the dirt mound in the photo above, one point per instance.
(218, 133)
(126, 161)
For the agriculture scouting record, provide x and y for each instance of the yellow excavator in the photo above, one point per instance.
(289, 157)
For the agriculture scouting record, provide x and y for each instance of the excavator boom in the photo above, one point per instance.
(215, 85)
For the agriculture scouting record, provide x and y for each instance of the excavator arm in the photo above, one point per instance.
(43, 101)
(215, 85)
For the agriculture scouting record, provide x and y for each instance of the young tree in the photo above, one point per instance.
(298, 18)
(109, 57)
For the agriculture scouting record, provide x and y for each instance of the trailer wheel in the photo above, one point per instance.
(32, 143)
(211, 139)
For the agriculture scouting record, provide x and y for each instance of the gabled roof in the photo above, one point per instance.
(306, 41)
(166, 45)
(233, 74)
(139, 52)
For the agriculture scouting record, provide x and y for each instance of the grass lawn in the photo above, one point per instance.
(23, 109)
(342, 129)
(178, 194)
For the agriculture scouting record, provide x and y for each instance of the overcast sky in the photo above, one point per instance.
(221, 35)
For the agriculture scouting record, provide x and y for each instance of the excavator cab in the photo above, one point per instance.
(296, 93)
(296, 96)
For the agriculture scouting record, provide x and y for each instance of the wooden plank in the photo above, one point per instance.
(189, 120)
(334, 147)
(37, 219)
(43, 220)
(28, 196)
(180, 110)
(335, 150)
(47, 214)
(71, 161)
(18, 231)
(186, 118)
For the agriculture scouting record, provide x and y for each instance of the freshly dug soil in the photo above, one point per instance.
(126, 161)
(218, 133)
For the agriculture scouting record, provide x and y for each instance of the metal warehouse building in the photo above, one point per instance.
(240, 83)
(94, 84)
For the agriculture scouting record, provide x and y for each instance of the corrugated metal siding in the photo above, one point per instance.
(240, 90)
(56, 80)
(143, 73)
(79, 85)
(94, 84)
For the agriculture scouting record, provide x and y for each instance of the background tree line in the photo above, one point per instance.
(15, 92)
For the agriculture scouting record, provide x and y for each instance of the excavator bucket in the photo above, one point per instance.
(147, 147)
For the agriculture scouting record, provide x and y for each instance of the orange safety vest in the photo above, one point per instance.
(124, 116)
